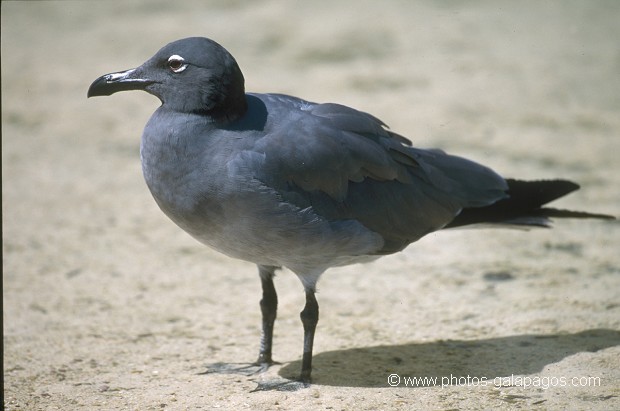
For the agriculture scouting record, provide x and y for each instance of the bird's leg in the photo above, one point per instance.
(309, 318)
(269, 308)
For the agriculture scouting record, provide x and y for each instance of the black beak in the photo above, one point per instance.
(109, 84)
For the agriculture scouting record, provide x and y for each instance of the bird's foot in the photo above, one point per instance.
(238, 368)
(256, 368)
(281, 385)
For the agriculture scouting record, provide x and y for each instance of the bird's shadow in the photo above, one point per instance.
(489, 358)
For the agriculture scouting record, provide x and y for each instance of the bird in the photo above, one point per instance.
(282, 182)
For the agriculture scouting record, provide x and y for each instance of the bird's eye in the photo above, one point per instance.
(177, 63)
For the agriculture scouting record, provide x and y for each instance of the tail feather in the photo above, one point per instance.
(524, 206)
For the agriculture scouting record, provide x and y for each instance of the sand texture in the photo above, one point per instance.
(109, 306)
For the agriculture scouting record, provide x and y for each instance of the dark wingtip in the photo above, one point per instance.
(560, 213)
(524, 206)
(538, 192)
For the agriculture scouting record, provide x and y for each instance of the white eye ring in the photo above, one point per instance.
(176, 63)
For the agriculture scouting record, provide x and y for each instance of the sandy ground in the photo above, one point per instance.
(108, 305)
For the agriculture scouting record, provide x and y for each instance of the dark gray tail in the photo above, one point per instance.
(525, 206)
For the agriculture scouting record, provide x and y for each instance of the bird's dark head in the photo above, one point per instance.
(192, 75)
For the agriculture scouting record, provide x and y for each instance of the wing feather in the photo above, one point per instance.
(346, 164)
